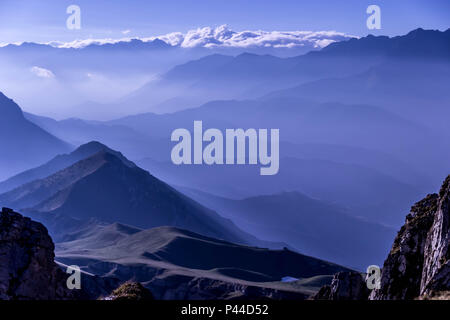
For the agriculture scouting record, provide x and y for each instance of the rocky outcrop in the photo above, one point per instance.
(344, 286)
(418, 265)
(436, 268)
(130, 291)
(402, 270)
(27, 267)
(180, 287)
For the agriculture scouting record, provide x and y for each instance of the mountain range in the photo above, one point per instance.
(395, 173)
(103, 71)
(250, 75)
(363, 133)
(142, 83)
(306, 224)
(96, 182)
(179, 264)
(105, 186)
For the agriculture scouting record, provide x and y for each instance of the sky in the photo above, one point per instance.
(45, 20)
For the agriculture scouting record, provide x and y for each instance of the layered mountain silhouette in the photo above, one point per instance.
(22, 143)
(308, 225)
(390, 177)
(95, 182)
(244, 76)
(376, 201)
(250, 75)
(300, 120)
(131, 142)
(108, 187)
(389, 85)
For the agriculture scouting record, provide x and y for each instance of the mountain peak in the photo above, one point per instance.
(92, 145)
(423, 32)
(61, 162)
(95, 147)
(104, 187)
(9, 110)
(417, 43)
(25, 144)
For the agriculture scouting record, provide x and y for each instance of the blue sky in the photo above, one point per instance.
(45, 20)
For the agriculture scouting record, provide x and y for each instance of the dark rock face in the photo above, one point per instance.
(94, 287)
(418, 263)
(27, 267)
(402, 270)
(131, 291)
(436, 268)
(344, 286)
(179, 287)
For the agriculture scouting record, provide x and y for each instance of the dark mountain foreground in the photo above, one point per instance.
(179, 264)
(170, 262)
(418, 266)
(27, 267)
(130, 291)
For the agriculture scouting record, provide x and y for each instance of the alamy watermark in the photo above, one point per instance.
(241, 147)
(374, 20)
(74, 280)
(373, 277)
(73, 22)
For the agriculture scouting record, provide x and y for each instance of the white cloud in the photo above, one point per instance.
(4, 44)
(42, 72)
(224, 37)
(126, 31)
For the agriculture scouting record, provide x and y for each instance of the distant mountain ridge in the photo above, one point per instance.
(58, 163)
(220, 37)
(248, 75)
(308, 225)
(416, 43)
(22, 143)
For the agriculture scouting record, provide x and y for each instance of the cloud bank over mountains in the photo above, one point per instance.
(224, 37)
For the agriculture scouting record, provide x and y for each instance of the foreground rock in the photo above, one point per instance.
(27, 267)
(130, 291)
(436, 268)
(179, 287)
(344, 286)
(418, 265)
